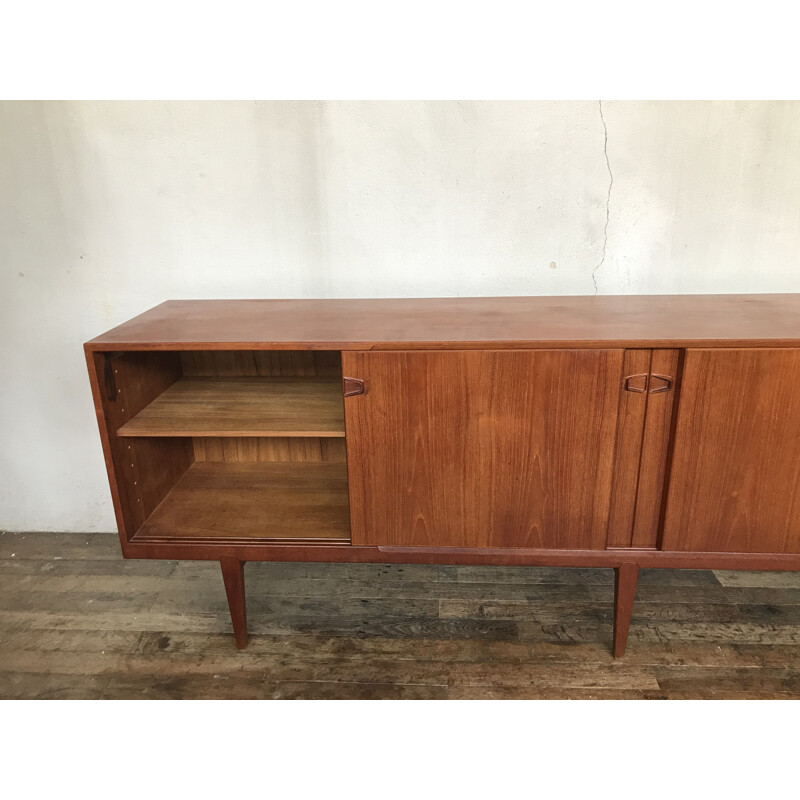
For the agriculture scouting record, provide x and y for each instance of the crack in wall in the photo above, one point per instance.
(608, 197)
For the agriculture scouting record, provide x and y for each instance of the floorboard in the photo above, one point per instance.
(78, 621)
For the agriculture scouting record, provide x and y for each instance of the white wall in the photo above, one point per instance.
(107, 208)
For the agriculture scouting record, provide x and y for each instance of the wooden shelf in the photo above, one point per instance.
(243, 407)
(275, 501)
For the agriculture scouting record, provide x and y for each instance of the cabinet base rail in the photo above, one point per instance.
(215, 549)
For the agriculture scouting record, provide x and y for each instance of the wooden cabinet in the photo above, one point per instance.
(611, 432)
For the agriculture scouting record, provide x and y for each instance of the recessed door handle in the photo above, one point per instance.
(636, 383)
(660, 383)
(352, 386)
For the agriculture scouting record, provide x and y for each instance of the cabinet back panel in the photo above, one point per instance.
(240, 449)
(269, 363)
(735, 473)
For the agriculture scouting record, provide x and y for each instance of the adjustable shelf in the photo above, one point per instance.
(250, 501)
(243, 406)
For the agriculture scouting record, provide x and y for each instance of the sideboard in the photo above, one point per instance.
(619, 432)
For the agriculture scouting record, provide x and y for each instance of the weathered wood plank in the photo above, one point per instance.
(61, 568)
(36, 686)
(59, 546)
(695, 678)
(367, 671)
(224, 687)
(767, 580)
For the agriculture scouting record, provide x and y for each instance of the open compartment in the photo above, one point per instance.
(227, 445)
(248, 393)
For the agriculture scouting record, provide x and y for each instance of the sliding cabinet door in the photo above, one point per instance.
(735, 474)
(482, 448)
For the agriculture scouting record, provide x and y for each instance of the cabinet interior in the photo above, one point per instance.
(228, 445)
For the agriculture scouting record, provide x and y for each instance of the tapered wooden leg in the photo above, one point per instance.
(625, 578)
(233, 575)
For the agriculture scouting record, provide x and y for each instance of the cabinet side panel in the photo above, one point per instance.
(98, 365)
(160, 463)
(735, 472)
(140, 473)
(628, 450)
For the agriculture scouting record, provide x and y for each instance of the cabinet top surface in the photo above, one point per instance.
(463, 322)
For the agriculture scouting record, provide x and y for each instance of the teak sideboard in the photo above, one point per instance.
(619, 432)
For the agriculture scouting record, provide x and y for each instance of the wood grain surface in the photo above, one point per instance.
(471, 449)
(655, 448)
(140, 472)
(233, 578)
(280, 500)
(264, 363)
(77, 621)
(627, 451)
(269, 449)
(458, 323)
(243, 407)
(735, 473)
(626, 577)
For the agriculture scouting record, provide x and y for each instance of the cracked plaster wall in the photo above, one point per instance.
(107, 208)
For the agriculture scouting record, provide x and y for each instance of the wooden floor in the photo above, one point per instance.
(78, 621)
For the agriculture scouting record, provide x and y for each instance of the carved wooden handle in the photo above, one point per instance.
(636, 383)
(352, 386)
(645, 382)
(660, 383)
